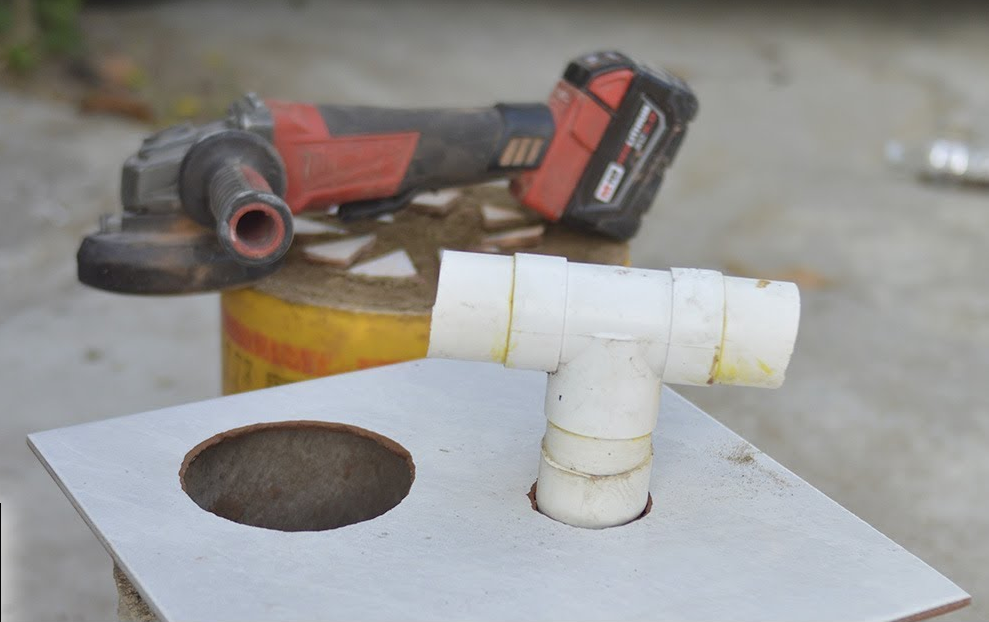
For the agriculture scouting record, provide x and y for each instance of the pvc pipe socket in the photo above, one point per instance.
(608, 336)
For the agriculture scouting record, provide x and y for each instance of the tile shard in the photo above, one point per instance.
(496, 217)
(498, 183)
(515, 238)
(485, 248)
(305, 226)
(396, 265)
(437, 204)
(339, 253)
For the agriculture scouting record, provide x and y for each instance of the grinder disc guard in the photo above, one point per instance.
(160, 254)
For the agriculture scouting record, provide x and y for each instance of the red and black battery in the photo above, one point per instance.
(618, 127)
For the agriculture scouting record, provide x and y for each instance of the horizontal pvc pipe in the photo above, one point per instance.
(539, 305)
(613, 303)
(473, 307)
(697, 322)
(761, 322)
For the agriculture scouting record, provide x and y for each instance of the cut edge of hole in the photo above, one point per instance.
(330, 426)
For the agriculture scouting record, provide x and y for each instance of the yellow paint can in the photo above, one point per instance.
(269, 341)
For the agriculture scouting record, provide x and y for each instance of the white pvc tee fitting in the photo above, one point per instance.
(609, 336)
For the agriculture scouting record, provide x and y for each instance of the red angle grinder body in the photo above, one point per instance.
(211, 207)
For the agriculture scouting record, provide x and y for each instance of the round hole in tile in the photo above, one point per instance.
(298, 475)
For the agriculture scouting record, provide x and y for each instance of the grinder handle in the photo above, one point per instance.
(253, 224)
(372, 160)
(232, 180)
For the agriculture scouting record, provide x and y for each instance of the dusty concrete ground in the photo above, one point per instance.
(782, 173)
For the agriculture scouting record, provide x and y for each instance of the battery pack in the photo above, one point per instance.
(618, 127)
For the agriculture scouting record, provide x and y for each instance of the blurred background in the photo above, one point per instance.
(782, 175)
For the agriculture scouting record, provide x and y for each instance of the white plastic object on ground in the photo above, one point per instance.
(942, 160)
(609, 336)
